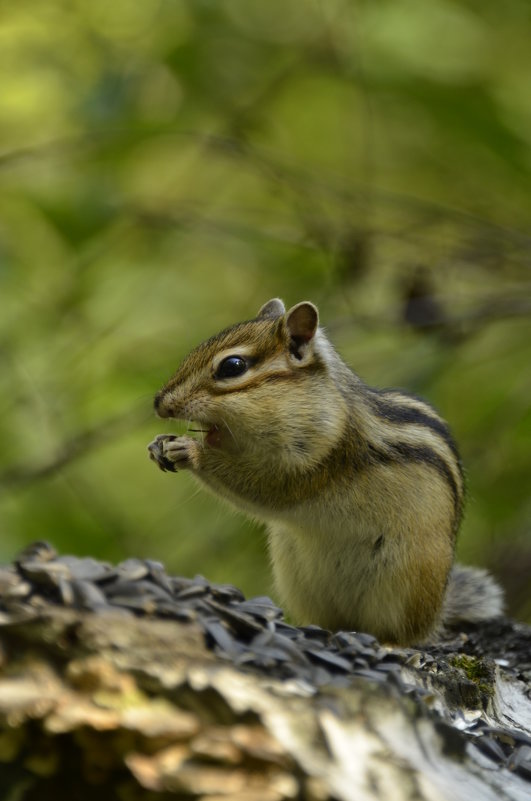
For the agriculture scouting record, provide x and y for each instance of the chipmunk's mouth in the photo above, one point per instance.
(212, 434)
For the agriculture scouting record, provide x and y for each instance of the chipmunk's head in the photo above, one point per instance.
(259, 385)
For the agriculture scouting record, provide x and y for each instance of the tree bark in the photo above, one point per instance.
(112, 706)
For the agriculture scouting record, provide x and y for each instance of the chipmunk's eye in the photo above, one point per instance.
(231, 367)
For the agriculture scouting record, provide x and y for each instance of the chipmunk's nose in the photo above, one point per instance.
(158, 403)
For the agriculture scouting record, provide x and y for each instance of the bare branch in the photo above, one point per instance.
(21, 476)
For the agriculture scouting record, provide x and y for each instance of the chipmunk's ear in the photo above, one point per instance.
(301, 322)
(273, 308)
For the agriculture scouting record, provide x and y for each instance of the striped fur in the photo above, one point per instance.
(362, 489)
(406, 429)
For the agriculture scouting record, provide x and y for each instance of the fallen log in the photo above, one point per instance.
(121, 682)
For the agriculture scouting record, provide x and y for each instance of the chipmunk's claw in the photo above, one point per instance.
(156, 454)
(172, 453)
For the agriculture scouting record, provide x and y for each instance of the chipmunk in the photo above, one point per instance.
(361, 489)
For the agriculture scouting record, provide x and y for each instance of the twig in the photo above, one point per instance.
(21, 476)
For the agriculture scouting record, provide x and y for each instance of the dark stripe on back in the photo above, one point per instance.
(391, 410)
(404, 453)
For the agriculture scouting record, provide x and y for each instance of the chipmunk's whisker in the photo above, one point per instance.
(228, 428)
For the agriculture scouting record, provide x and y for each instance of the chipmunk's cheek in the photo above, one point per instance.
(214, 437)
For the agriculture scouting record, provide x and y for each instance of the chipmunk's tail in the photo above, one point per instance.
(472, 595)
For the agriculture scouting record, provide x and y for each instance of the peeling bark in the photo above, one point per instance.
(139, 709)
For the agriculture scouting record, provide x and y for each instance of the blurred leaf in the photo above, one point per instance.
(167, 167)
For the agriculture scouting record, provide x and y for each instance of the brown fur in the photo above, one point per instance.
(361, 489)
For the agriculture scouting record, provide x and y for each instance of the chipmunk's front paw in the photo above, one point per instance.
(174, 453)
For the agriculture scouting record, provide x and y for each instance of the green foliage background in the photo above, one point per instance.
(166, 166)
